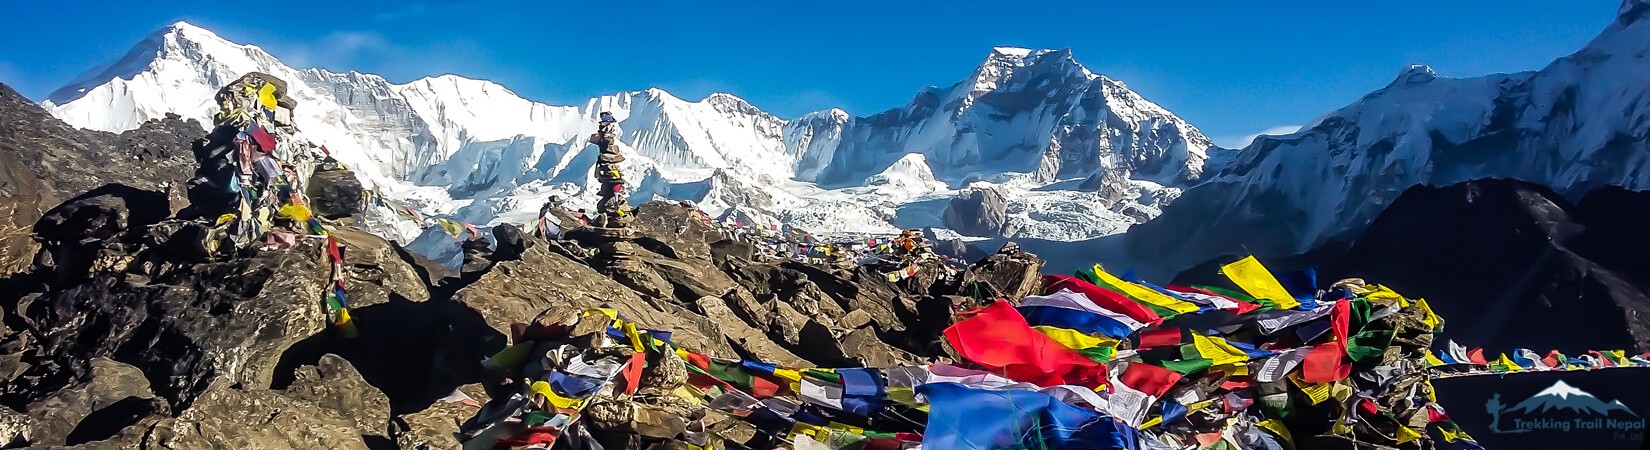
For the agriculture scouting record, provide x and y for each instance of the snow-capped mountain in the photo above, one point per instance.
(1580, 123)
(1561, 396)
(1035, 124)
(1035, 114)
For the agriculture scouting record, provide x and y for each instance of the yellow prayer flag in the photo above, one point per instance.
(1145, 294)
(1405, 435)
(297, 213)
(631, 332)
(1382, 294)
(1318, 393)
(789, 374)
(1074, 339)
(1449, 435)
(1341, 390)
(1430, 318)
(1276, 427)
(1616, 356)
(266, 96)
(1237, 370)
(847, 428)
(1217, 350)
(1511, 366)
(543, 388)
(1253, 278)
(452, 227)
(1152, 423)
(1433, 361)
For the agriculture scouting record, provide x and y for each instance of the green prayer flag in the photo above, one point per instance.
(823, 375)
(1100, 354)
(1186, 366)
(732, 373)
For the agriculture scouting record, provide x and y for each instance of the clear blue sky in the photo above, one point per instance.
(1232, 68)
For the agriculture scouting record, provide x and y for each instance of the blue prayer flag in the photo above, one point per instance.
(963, 418)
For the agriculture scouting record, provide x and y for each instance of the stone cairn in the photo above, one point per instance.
(612, 225)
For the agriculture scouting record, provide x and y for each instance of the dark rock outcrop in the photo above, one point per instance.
(1511, 264)
(977, 212)
(44, 162)
(334, 192)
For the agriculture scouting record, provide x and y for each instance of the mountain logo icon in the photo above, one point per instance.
(1560, 398)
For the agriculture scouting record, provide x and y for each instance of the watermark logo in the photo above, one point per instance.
(1562, 407)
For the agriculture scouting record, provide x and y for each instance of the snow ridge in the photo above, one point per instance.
(1574, 125)
(1035, 123)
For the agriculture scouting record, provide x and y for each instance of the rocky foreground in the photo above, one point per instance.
(119, 333)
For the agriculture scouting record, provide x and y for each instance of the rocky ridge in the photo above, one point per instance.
(119, 333)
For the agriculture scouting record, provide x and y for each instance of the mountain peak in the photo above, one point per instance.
(1005, 63)
(1561, 389)
(1414, 74)
(184, 27)
(180, 40)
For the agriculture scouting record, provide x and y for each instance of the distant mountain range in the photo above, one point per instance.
(1031, 124)
(1581, 123)
(1073, 155)
(1562, 397)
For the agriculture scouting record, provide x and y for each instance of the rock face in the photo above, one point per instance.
(977, 212)
(1511, 264)
(44, 161)
(335, 193)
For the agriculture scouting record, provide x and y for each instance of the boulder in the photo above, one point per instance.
(515, 291)
(674, 230)
(329, 406)
(436, 427)
(976, 212)
(335, 193)
(1011, 273)
(82, 412)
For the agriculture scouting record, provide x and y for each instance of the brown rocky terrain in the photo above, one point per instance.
(119, 333)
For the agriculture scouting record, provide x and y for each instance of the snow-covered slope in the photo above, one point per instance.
(1036, 114)
(1049, 133)
(1580, 123)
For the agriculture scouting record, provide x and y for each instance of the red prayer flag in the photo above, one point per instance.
(1237, 383)
(633, 372)
(1105, 298)
(762, 387)
(1327, 362)
(1476, 356)
(1436, 414)
(1551, 360)
(998, 338)
(333, 251)
(698, 360)
(1368, 407)
(266, 141)
(1149, 379)
(1603, 361)
(1161, 337)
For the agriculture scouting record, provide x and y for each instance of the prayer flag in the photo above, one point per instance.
(1252, 277)
(998, 338)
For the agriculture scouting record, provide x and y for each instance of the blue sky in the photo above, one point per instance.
(1232, 68)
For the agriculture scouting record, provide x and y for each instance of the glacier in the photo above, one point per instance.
(1076, 154)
